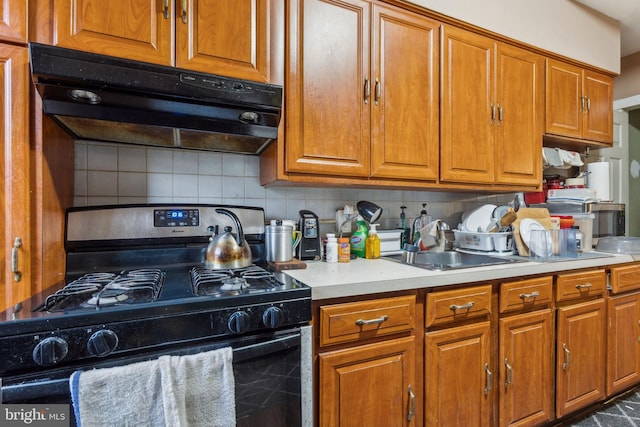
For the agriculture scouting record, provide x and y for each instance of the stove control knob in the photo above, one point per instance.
(272, 317)
(102, 342)
(239, 322)
(50, 351)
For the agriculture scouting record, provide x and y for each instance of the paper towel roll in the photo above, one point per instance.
(598, 179)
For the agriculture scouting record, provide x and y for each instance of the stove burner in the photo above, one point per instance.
(96, 290)
(220, 283)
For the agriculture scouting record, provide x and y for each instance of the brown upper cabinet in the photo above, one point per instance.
(579, 102)
(13, 21)
(227, 37)
(362, 91)
(492, 111)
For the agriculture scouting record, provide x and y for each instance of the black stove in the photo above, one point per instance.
(136, 281)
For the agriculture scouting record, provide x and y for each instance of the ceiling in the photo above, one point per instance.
(627, 12)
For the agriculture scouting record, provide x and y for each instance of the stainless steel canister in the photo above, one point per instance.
(278, 242)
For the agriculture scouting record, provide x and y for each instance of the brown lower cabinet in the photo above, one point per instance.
(527, 352)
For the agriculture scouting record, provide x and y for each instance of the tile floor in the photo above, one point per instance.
(622, 412)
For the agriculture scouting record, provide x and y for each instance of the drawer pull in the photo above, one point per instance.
(489, 384)
(15, 269)
(467, 306)
(584, 286)
(381, 319)
(567, 353)
(412, 408)
(531, 295)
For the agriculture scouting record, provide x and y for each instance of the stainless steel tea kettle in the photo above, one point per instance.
(227, 250)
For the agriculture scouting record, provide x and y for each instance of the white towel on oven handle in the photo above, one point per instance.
(195, 390)
(199, 390)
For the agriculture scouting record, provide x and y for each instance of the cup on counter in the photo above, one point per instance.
(540, 245)
(564, 242)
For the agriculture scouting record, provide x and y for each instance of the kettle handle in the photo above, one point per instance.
(239, 232)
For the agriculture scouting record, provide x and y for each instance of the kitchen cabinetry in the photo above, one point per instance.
(492, 111)
(236, 38)
(580, 346)
(526, 352)
(457, 368)
(362, 102)
(623, 331)
(14, 180)
(579, 102)
(13, 21)
(371, 380)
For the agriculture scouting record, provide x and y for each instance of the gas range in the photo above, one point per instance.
(136, 281)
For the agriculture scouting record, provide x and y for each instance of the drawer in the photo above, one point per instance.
(459, 304)
(580, 285)
(526, 294)
(366, 319)
(626, 278)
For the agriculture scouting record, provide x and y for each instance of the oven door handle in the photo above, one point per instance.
(46, 388)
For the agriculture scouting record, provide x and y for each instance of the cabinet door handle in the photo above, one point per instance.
(467, 306)
(367, 90)
(489, 383)
(567, 354)
(381, 319)
(531, 295)
(412, 404)
(509, 369)
(378, 92)
(584, 286)
(582, 106)
(184, 11)
(588, 104)
(493, 113)
(165, 9)
(17, 244)
(500, 114)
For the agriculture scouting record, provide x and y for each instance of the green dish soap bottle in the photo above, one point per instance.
(359, 238)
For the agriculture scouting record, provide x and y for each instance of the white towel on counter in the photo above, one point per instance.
(187, 391)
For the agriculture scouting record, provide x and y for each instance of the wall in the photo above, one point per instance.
(119, 174)
(627, 84)
(560, 26)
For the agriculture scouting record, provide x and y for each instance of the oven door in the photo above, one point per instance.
(272, 375)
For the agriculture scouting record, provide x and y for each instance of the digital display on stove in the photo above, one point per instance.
(176, 217)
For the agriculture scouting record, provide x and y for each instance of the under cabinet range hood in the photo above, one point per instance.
(104, 98)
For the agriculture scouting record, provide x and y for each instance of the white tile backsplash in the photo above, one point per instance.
(118, 174)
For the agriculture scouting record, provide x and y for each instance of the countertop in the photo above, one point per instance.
(371, 276)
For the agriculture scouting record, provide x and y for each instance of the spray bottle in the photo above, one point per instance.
(359, 238)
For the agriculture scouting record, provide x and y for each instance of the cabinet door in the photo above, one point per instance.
(467, 116)
(133, 29)
(328, 88)
(226, 37)
(405, 95)
(457, 377)
(520, 125)
(580, 353)
(369, 385)
(526, 369)
(14, 179)
(563, 99)
(598, 90)
(623, 345)
(13, 21)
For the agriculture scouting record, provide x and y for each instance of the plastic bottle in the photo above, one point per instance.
(373, 243)
(331, 251)
(579, 238)
(359, 238)
(344, 249)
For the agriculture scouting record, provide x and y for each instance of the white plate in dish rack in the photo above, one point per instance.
(478, 219)
(526, 226)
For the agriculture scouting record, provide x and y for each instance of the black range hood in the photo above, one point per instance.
(104, 98)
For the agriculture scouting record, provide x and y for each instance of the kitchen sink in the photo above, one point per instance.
(452, 260)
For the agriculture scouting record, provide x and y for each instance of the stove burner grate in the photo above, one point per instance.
(220, 283)
(97, 290)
